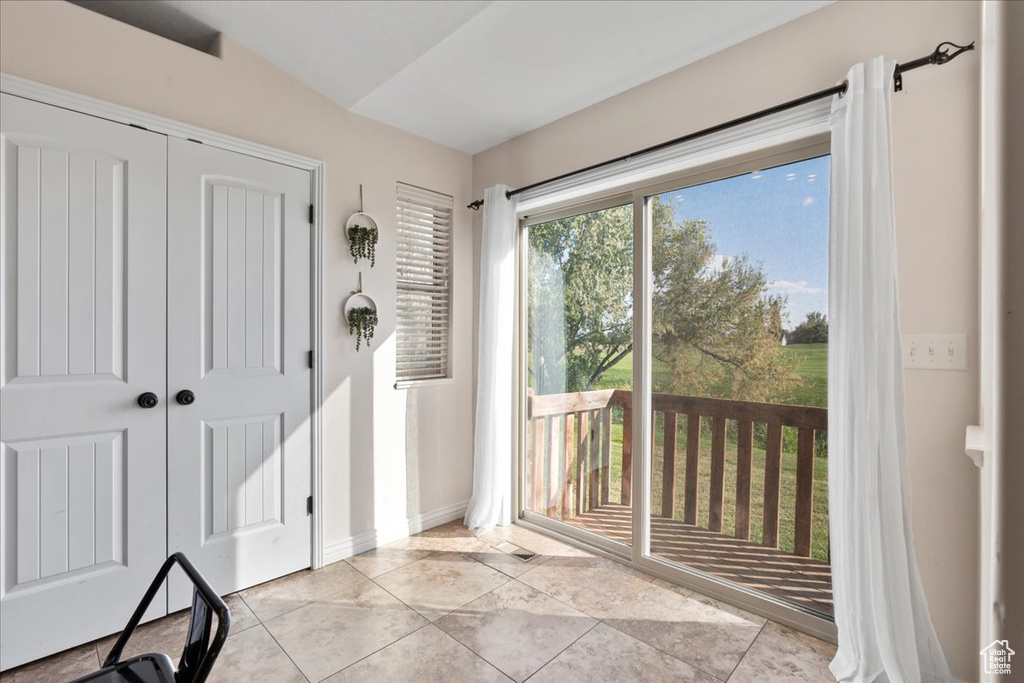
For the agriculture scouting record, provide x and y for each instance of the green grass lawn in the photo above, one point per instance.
(812, 365)
(620, 376)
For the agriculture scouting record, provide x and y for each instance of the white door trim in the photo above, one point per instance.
(985, 442)
(22, 87)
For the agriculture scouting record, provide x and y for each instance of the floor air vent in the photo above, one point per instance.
(524, 554)
(516, 551)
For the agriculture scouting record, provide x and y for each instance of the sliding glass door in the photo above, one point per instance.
(578, 269)
(739, 344)
(674, 353)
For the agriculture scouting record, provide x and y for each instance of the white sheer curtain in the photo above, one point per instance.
(491, 504)
(885, 631)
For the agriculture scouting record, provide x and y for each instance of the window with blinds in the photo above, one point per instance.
(424, 284)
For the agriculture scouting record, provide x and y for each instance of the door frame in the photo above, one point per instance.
(46, 94)
(761, 603)
(812, 144)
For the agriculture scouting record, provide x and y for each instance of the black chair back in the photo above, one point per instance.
(197, 645)
(202, 644)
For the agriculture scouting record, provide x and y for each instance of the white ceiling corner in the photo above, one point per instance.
(467, 74)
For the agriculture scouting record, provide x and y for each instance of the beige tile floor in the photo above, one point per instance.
(448, 606)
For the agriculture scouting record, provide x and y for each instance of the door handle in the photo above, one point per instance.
(185, 397)
(148, 400)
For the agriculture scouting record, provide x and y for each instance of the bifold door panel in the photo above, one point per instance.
(154, 388)
(82, 465)
(238, 330)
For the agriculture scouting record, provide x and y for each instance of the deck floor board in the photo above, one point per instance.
(803, 581)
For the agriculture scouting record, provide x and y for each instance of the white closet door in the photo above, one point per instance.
(239, 464)
(82, 465)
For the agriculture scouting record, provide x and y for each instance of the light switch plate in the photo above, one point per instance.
(935, 351)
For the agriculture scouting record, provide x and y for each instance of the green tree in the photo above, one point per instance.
(581, 298)
(715, 326)
(813, 330)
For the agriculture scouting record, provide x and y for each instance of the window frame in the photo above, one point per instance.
(448, 378)
(608, 201)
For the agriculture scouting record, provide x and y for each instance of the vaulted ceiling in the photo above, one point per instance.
(468, 74)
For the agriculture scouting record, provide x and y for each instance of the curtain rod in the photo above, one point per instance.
(940, 55)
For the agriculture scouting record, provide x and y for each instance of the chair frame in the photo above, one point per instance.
(200, 650)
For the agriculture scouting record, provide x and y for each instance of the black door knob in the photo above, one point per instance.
(185, 397)
(148, 400)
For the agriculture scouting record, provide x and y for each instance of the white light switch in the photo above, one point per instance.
(935, 351)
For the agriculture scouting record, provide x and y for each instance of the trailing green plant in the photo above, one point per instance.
(362, 243)
(362, 321)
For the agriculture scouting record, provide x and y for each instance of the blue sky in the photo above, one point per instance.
(778, 216)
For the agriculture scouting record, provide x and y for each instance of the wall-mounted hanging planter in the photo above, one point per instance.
(361, 315)
(362, 234)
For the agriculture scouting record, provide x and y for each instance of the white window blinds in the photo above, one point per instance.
(424, 284)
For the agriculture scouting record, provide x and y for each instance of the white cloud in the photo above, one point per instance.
(717, 263)
(787, 287)
(808, 201)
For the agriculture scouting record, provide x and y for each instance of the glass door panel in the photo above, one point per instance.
(739, 347)
(578, 370)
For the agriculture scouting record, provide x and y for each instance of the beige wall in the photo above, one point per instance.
(375, 438)
(935, 143)
(1013, 379)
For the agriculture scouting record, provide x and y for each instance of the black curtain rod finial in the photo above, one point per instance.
(940, 55)
(475, 205)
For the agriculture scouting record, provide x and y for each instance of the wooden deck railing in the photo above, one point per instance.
(572, 435)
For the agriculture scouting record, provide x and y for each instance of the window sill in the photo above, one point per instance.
(418, 383)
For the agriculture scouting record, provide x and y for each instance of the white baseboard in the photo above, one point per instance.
(389, 533)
